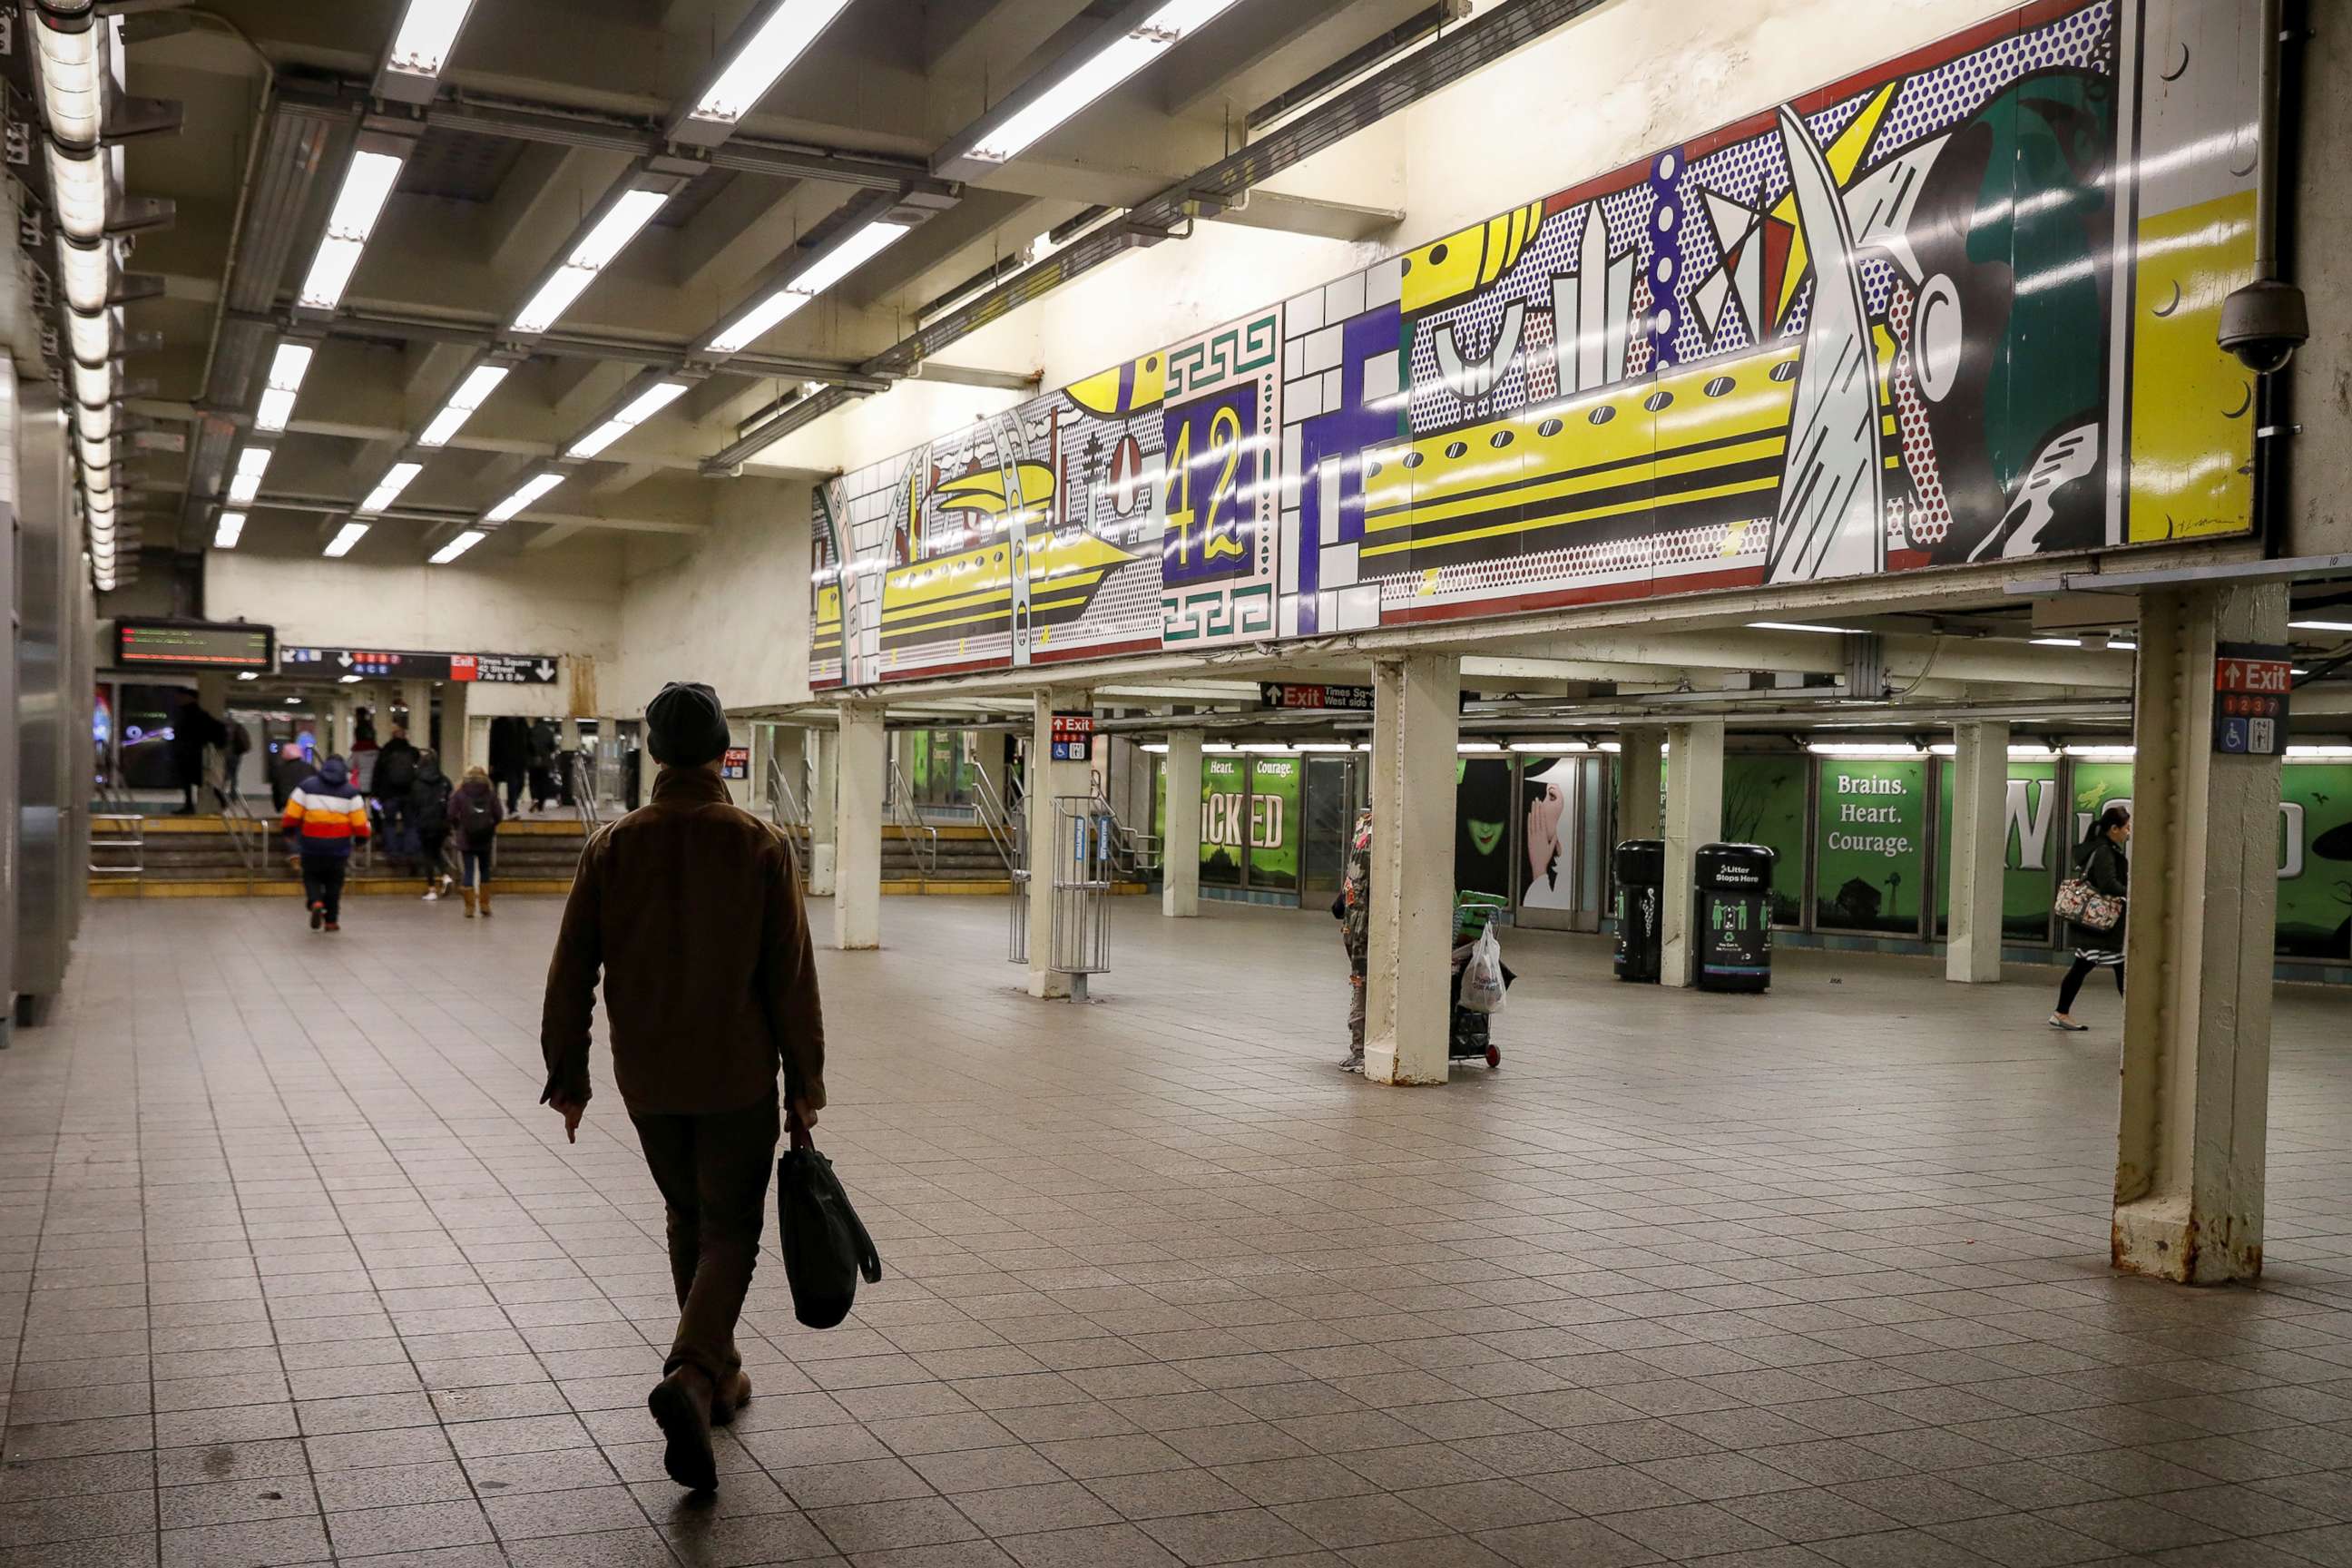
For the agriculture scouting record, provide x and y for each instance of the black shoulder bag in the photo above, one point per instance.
(825, 1243)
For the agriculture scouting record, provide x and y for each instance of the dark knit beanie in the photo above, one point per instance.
(684, 726)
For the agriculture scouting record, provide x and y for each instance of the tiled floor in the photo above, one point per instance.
(301, 1272)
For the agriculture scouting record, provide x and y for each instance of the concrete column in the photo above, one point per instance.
(417, 695)
(857, 888)
(1694, 816)
(1638, 777)
(1416, 722)
(2198, 954)
(1979, 850)
(1179, 883)
(1048, 778)
(824, 809)
(345, 710)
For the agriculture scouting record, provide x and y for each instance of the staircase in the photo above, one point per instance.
(218, 857)
(968, 863)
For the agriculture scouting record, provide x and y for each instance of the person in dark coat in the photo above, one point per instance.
(395, 776)
(193, 730)
(428, 808)
(544, 744)
(691, 910)
(510, 758)
(2099, 861)
(474, 818)
(286, 773)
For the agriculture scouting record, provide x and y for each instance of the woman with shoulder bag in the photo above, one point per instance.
(2100, 863)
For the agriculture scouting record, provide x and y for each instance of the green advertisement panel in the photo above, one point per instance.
(2315, 895)
(1482, 824)
(2035, 842)
(1272, 824)
(1764, 803)
(1224, 821)
(1870, 845)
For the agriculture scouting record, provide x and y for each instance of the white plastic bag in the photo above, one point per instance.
(1482, 976)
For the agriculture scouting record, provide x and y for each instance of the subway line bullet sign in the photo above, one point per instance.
(2250, 684)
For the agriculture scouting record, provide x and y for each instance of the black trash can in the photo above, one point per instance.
(1641, 895)
(1735, 917)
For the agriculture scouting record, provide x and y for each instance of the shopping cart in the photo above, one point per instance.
(1469, 1033)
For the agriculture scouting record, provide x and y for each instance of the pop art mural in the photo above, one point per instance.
(1957, 307)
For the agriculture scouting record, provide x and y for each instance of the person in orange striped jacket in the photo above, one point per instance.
(325, 818)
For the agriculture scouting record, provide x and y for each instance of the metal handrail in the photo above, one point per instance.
(1135, 853)
(911, 822)
(235, 816)
(582, 771)
(997, 819)
(127, 832)
(785, 809)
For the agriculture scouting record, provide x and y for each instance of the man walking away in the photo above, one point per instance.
(286, 773)
(395, 777)
(692, 909)
(510, 758)
(544, 744)
(324, 817)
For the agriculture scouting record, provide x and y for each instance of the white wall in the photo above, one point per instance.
(565, 602)
(729, 608)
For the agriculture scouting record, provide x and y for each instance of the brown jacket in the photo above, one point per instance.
(692, 908)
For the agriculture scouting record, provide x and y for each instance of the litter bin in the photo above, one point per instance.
(1735, 917)
(1640, 892)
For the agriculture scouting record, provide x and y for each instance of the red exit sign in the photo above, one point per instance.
(2270, 677)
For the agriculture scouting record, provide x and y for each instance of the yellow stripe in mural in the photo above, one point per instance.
(1620, 509)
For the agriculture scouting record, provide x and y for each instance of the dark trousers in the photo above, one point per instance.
(713, 1174)
(322, 882)
(2072, 987)
(434, 852)
(514, 792)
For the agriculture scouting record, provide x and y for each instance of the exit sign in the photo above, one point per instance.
(2251, 682)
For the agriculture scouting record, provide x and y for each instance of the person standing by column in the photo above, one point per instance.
(2100, 861)
(1354, 909)
(325, 817)
(691, 909)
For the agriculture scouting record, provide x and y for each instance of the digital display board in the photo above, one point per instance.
(194, 645)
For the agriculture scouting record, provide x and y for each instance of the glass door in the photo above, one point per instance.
(1329, 817)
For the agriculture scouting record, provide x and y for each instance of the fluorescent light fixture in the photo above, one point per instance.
(2056, 642)
(2320, 625)
(2102, 753)
(367, 183)
(77, 188)
(1612, 746)
(87, 272)
(387, 490)
(1803, 627)
(2117, 645)
(1891, 750)
(606, 240)
(350, 533)
(428, 30)
(251, 464)
(1478, 749)
(228, 530)
(97, 453)
(471, 394)
(766, 55)
(756, 322)
(95, 424)
(530, 490)
(642, 407)
(2024, 753)
(851, 254)
(73, 90)
(351, 681)
(1121, 59)
(246, 675)
(836, 263)
(90, 337)
(293, 702)
(2329, 753)
(286, 372)
(93, 383)
(1550, 748)
(456, 547)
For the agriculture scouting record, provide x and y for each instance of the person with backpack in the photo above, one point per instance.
(2099, 861)
(239, 742)
(395, 776)
(325, 817)
(1353, 907)
(193, 731)
(428, 807)
(474, 817)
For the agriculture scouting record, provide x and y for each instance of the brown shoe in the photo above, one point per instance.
(725, 1402)
(680, 1404)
